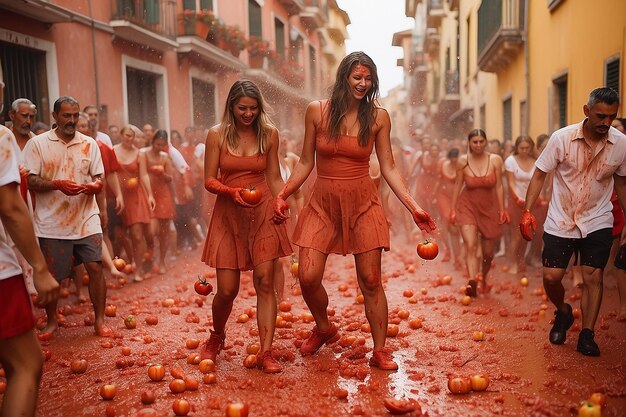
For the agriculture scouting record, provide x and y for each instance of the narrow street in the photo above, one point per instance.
(529, 377)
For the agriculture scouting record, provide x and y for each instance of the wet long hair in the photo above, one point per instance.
(262, 123)
(475, 132)
(160, 134)
(522, 139)
(341, 95)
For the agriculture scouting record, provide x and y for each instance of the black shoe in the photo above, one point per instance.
(562, 322)
(586, 345)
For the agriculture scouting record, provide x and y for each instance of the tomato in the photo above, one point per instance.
(251, 195)
(147, 412)
(404, 314)
(478, 336)
(191, 383)
(398, 407)
(132, 183)
(202, 287)
(78, 366)
(237, 410)
(130, 322)
(392, 330)
(253, 349)
(168, 302)
(209, 378)
(479, 382)
(445, 280)
(589, 409)
(156, 372)
(108, 391)
(110, 311)
(243, 318)
(598, 398)
(177, 386)
(466, 300)
(294, 268)
(407, 293)
(126, 351)
(148, 397)
(119, 263)
(152, 320)
(523, 282)
(3, 387)
(181, 407)
(206, 365)
(284, 306)
(459, 385)
(250, 361)
(427, 250)
(128, 269)
(192, 343)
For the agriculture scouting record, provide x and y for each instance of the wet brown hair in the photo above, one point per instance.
(521, 139)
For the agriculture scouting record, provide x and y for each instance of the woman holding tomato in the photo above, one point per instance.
(478, 206)
(344, 214)
(243, 148)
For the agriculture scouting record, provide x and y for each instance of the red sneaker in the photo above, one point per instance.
(317, 339)
(211, 347)
(267, 363)
(382, 359)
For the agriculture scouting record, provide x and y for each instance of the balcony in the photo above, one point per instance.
(312, 17)
(450, 100)
(435, 13)
(500, 33)
(41, 10)
(293, 7)
(146, 22)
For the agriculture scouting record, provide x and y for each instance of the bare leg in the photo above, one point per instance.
(136, 236)
(164, 236)
(22, 360)
(279, 279)
(552, 283)
(470, 242)
(51, 312)
(487, 246)
(97, 291)
(368, 272)
(263, 277)
(310, 273)
(621, 288)
(591, 296)
(227, 289)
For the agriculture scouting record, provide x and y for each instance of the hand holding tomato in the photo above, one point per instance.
(93, 187)
(202, 287)
(68, 187)
(251, 195)
(280, 206)
(527, 225)
(423, 220)
(427, 250)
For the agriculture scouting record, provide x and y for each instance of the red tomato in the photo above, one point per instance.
(152, 320)
(589, 409)
(237, 410)
(181, 407)
(459, 385)
(177, 372)
(598, 398)
(119, 263)
(130, 322)
(147, 412)
(401, 406)
(250, 361)
(191, 383)
(108, 391)
(156, 372)
(192, 343)
(110, 311)
(206, 365)
(427, 250)
(251, 195)
(479, 382)
(202, 287)
(148, 397)
(209, 378)
(78, 366)
(177, 386)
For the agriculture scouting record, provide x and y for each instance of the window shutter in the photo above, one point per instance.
(612, 74)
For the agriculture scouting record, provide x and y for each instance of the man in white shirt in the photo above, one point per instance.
(588, 159)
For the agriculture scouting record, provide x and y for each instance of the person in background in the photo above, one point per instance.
(443, 193)
(148, 133)
(588, 159)
(114, 134)
(344, 214)
(94, 124)
(478, 207)
(40, 127)
(243, 151)
(22, 115)
(64, 171)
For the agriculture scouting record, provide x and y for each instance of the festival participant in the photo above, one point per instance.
(64, 171)
(160, 172)
(94, 124)
(114, 134)
(588, 159)
(344, 214)
(478, 207)
(427, 178)
(443, 193)
(138, 202)
(20, 353)
(519, 168)
(243, 148)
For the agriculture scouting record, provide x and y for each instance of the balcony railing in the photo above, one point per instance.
(293, 6)
(435, 13)
(149, 22)
(500, 33)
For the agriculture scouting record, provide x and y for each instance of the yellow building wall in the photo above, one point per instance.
(576, 38)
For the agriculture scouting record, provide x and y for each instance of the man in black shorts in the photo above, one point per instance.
(587, 159)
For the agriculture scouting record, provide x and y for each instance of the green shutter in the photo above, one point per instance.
(254, 19)
(151, 11)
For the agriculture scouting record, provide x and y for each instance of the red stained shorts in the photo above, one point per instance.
(16, 313)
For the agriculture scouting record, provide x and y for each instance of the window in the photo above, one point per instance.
(523, 117)
(142, 97)
(279, 28)
(152, 12)
(25, 76)
(611, 74)
(559, 110)
(483, 117)
(507, 116)
(197, 4)
(203, 103)
(254, 19)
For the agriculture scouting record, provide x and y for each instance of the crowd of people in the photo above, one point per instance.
(80, 197)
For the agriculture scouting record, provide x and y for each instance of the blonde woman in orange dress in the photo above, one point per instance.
(344, 214)
(160, 172)
(242, 152)
(478, 207)
(138, 199)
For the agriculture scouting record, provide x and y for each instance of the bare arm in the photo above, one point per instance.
(38, 184)
(114, 182)
(458, 184)
(272, 172)
(145, 179)
(497, 166)
(534, 188)
(620, 190)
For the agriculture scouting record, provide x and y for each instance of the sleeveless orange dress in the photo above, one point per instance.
(162, 191)
(136, 208)
(478, 204)
(243, 237)
(344, 214)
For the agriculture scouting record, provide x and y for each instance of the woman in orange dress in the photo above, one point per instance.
(243, 148)
(478, 207)
(138, 199)
(160, 173)
(443, 193)
(344, 214)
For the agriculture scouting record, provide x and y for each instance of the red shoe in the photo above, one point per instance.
(267, 363)
(317, 339)
(383, 360)
(211, 347)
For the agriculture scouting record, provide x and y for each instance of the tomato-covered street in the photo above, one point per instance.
(503, 335)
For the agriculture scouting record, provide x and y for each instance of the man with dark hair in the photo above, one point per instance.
(94, 124)
(587, 159)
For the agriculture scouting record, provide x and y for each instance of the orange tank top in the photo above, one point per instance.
(241, 171)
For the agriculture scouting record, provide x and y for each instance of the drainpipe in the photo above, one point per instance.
(527, 66)
(93, 51)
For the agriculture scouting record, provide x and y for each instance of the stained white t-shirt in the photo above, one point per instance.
(522, 178)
